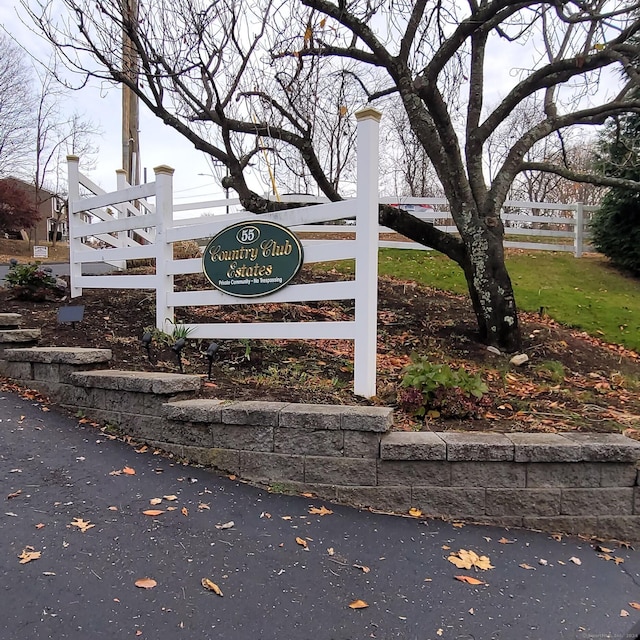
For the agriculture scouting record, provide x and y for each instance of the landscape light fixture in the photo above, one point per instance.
(146, 343)
(211, 353)
(177, 349)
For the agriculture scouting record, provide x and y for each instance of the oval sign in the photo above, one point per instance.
(252, 259)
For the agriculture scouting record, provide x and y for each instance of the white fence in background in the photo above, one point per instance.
(124, 226)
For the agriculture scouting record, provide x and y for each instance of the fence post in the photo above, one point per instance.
(164, 249)
(75, 244)
(578, 241)
(366, 311)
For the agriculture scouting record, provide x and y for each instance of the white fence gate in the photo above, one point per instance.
(112, 218)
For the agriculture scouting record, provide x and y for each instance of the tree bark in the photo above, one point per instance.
(491, 292)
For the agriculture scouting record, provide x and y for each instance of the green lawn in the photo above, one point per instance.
(585, 293)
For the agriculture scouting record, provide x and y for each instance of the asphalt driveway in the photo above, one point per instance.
(59, 477)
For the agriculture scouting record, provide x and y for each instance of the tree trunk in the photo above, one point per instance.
(491, 291)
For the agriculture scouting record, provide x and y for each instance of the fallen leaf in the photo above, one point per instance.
(232, 477)
(603, 549)
(623, 613)
(113, 508)
(28, 554)
(524, 565)
(575, 560)
(202, 506)
(439, 632)
(505, 541)
(446, 547)
(40, 525)
(303, 543)
(48, 573)
(115, 472)
(153, 512)
(184, 511)
(428, 579)
(83, 525)
(471, 611)
(458, 525)
(142, 449)
(170, 498)
(145, 583)
(361, 566)
(129, 471)
(358, 604)
(330, 551)
(15, 494)
(172, 508)
(323, 511)
(543, 562)
(138, 632)
(155, 501)
(470, 559)
(557, 536)
(618, 560)
(285, 517)
(416, 513)
(211, 586)
(469, 580)
(635, 605)
(307, 495)
(226, 525)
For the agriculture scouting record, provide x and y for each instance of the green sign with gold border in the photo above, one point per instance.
(252, 259)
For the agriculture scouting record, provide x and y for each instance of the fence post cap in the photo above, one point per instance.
(369, 113)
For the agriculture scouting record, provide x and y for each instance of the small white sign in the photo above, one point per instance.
(40, 252)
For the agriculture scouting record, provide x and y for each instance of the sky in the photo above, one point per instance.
(159, 143)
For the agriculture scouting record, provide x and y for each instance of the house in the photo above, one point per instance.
(52, 209)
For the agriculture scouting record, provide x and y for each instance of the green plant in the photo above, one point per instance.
(33, 282)
(179, 330)
(246, 343)
(438, 390)
(551, 370)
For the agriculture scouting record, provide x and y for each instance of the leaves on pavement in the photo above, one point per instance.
(153, 512)
(358, 604)
(83, 525)
(416, 513)
(15, 494)
(303, 543)
(469, 580)
(145, 583)
(322, 511)
(211, 586)
(28, 554)
(464, 559)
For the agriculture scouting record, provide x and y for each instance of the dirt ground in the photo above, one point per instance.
(571, 382)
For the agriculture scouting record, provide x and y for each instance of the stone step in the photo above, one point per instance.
(10, 320)
(17, 336)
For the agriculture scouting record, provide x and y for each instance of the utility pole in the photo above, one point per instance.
(130, 103)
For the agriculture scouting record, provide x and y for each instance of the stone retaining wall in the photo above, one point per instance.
(573, 483)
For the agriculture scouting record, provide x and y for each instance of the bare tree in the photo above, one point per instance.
(16, 108)
(56, 134)
(208, 69)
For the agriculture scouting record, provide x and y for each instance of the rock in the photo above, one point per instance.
(521, 358)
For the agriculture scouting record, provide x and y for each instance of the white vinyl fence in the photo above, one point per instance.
(123, 226)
